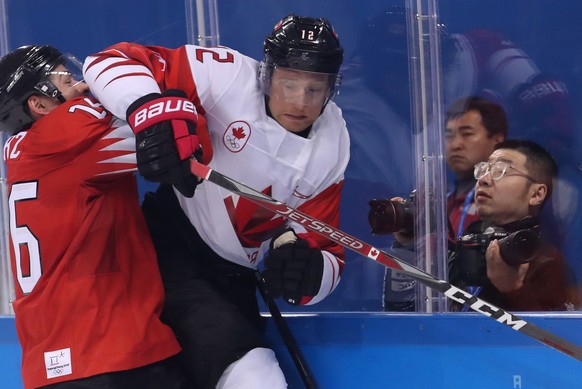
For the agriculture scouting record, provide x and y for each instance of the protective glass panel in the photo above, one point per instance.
(404, 64)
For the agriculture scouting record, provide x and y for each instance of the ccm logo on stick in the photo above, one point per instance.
(498, 314)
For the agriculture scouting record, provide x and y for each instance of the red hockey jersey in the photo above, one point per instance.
(88, 289)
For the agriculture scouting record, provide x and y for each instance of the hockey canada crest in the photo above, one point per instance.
(236, 136)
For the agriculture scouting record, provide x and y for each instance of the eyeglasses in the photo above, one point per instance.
(497, 170)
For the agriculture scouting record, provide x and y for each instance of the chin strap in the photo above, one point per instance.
(47, 88)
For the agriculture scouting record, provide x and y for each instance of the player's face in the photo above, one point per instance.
(467, 142)
(296, 98)
(66, 83)
(64, 80)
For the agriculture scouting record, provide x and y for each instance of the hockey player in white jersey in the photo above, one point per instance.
(272, 126)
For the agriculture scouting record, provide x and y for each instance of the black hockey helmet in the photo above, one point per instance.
(23, 73)
(302, 43)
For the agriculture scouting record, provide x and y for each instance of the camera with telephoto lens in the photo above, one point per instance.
(387, 216)
(516, 248)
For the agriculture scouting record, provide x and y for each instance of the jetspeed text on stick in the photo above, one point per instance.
(333, 234)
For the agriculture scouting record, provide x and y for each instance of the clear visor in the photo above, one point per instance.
(298, 86)
(72, 75)
(62, 81)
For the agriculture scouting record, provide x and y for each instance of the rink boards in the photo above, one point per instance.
(368, 350)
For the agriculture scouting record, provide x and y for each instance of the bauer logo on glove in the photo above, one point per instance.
(166, 133)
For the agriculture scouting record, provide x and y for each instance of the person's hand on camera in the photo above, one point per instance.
(392, 216)
(292, 268)
(405, 238)
(504, 277)
(165, 127)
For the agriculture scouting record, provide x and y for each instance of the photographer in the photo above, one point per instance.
(473, 126)
(514, 273)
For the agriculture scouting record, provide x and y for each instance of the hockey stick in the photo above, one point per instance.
(350, 242)
(286, 334)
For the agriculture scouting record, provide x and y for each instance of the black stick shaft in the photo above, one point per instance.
(286, 334)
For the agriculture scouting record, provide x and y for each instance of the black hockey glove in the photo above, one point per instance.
(292, 268)
(165, 134)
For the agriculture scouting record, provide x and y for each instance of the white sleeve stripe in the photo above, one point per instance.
(126, 159)
(118, 172)
(121, 145)
(330, 279)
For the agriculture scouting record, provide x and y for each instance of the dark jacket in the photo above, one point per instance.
(548, 285)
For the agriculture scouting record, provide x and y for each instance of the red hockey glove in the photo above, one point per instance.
(292, 268)
(165, 133)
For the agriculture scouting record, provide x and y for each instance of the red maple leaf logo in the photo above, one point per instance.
(253, 224)
(239, 133)
(374, 252)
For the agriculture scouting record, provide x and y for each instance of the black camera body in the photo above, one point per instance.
(387, 216)
(516, 248)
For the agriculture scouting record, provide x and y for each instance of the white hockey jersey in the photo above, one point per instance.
(248, 146)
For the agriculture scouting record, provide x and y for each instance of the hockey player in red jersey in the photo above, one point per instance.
(88, 289)
(273, 126)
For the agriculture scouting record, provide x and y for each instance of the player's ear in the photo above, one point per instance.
(37, 106)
